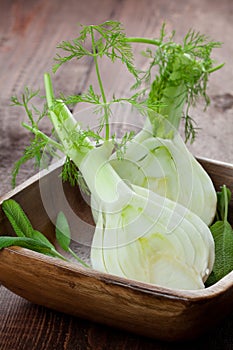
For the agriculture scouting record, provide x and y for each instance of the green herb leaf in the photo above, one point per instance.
(29, 243)
(38, 236)
(30, 238)
(41, 145)
(109, 42)
(183, 72)
(63, 231)
(223, 200)
(122, 145)
(17, 218)
(63, 237)
(223, 237)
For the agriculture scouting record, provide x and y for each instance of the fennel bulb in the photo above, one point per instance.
(139, 234)
(167, 167)
(143, 236)
(158, 158)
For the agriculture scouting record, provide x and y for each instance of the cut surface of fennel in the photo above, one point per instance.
(167, 167)
(141, 235)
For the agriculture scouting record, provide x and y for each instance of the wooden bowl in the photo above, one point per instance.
(138, 307)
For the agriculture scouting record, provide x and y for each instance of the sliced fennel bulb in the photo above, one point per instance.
(143, 236)
(166, 166)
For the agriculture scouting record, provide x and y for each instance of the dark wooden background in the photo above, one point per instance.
(29, 33)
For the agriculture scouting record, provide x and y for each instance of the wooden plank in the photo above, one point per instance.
(27, 53)
(29, 32)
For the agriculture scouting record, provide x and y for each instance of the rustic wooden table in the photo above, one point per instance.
(29, 33)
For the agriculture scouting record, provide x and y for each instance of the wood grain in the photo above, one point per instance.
(25, 326)
(29, 32)
(31, 29)
(35, 327)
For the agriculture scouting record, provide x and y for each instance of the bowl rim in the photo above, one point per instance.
(211, 292)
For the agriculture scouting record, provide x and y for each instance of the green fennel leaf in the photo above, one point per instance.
(122, 145)
(33, 151)
(41, 144)
(87, 97)
(27, 96)
(71, 173)
(109, 41)
(97, 41)
(182, 75)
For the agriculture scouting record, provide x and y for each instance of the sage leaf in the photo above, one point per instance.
(17, 218)
(223, 200)
(223, 237)
(63, 236)
(41, 238)
(63, 231)
(29, 243)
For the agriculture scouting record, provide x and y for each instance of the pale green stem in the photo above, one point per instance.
(173, 100)
(65, 125)
(104, 183)
(42, 135)
(173, 97)
(225, 203)
(77, 258)
(107, 131)
(58, 255)
(143, 41)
